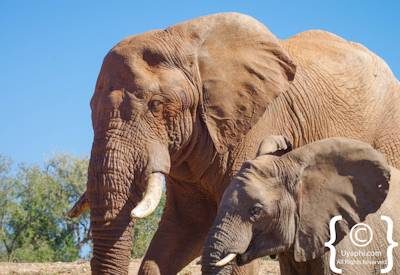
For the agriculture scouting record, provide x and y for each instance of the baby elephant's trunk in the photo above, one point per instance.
(228, 237)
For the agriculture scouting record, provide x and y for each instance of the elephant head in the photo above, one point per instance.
(157, 95)
(279, 204)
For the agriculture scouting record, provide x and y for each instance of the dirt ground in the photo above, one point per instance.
(83, 267)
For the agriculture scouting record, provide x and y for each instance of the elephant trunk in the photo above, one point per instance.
(108, 192)
(121, 182)
(228, 237)
(112, 245)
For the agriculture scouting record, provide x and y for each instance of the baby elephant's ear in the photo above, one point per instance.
(274, 145)
(338, 176)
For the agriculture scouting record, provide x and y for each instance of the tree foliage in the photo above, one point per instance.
(32, 216)
(33, 203)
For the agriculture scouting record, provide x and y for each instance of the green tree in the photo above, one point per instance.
(33, 203)
(71, 174)
(6, 193)
(33, 224)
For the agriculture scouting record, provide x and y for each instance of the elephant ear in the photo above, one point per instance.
(337, 177)
(242, 68)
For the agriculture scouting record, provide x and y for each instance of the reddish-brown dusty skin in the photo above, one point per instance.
(195, 100)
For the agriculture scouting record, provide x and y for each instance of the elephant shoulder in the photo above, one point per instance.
(323, 47)
(328, 46)
(317, 35)
(350, 64)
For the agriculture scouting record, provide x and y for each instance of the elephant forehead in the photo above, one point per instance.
(136, 43)
(262, 167)
(146, 59)
(153, 47)
(136, 75)
(257, 187)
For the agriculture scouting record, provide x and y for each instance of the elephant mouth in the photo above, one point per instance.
(251, 253)
(240, 258)
(245, 257)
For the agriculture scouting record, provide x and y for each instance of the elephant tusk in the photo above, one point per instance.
(79, 207)
(226, 260)
(152, 196)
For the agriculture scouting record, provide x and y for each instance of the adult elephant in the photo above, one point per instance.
(194, 101)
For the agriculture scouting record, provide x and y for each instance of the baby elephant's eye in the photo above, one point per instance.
(156, 106)
(255, 212)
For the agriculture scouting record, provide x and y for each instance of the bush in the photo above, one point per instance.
(33, 203)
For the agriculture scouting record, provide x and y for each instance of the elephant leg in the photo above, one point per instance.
(187, 216)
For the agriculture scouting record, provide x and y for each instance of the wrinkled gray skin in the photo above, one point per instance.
(283, 204)
(193, 101)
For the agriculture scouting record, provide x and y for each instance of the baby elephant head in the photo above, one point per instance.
(284, 203)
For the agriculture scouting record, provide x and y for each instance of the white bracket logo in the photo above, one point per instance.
(332, 257)
(356, 240)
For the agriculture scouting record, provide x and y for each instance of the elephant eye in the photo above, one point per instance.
(156, 106)
(255, 212)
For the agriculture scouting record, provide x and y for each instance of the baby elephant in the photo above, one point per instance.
(338, 193)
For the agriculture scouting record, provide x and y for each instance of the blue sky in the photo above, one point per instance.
(51, 53)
